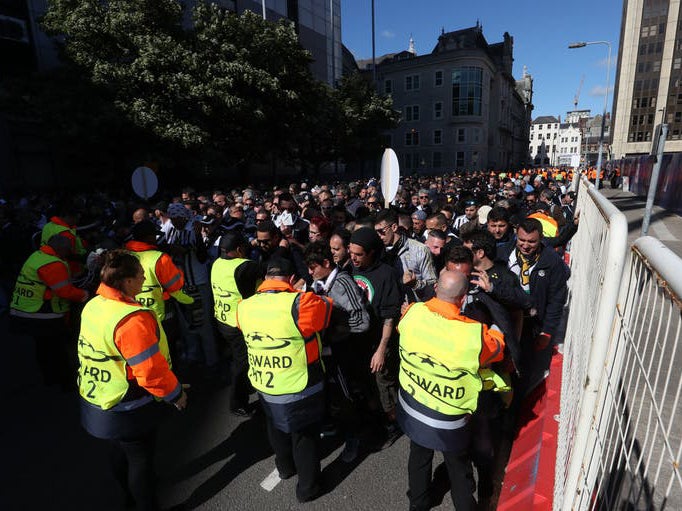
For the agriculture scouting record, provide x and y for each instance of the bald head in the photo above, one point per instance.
(452, 286)
(139, 215)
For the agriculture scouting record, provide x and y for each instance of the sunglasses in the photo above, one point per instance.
(383, 230)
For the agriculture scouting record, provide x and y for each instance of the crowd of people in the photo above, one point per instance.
(430, 315)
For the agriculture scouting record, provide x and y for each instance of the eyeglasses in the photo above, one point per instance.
(372, 203)
(383, 230)
(423, 196)
(264, 242)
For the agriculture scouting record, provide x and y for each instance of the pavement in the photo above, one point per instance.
(664, 225)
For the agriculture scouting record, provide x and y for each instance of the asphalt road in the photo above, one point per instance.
(207, 459)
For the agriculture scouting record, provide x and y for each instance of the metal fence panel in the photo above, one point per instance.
(620, 437)
(597, 261)
(637, 427)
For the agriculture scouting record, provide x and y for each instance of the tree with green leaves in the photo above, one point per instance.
(223, 83)
(209, 88)
(365, 116)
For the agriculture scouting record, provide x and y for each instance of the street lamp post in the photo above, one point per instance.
(374, 55)
(606, 100)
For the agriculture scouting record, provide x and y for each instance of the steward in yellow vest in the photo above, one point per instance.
(125, 373)
(63, 223)
(233, 278)
(40, 305)
(443, 362)
(282, 331)
(550, 227)
(163, 278)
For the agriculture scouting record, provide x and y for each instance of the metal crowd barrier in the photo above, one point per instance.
(619, 443)
(597, 258)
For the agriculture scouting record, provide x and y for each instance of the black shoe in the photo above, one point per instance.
(241, 412)
(309, 497)
(393, 433)
(286, 475)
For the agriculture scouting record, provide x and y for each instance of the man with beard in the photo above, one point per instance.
(543, 275)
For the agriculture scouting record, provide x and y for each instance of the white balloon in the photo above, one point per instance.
(390, 175)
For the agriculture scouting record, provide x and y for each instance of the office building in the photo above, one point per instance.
(648, 88)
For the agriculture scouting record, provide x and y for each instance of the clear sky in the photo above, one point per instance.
(541, 32)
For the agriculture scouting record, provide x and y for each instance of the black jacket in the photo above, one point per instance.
(548, 288)
(506, 288)
(381, 288)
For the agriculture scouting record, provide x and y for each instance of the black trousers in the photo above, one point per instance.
(460, 473)
(298, 452)
(240, 386)
(55, 349)
(133, 466)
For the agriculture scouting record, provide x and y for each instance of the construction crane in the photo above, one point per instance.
(577, 94)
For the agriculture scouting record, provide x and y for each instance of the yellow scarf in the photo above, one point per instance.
(526, 264)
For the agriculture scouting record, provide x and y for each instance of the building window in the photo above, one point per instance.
(677, 63)
(412, 82)
(412, 138)
(476, 135)
(411, 113)
(438, 110)
(388, 86)
(438, 79)
(461, 134)
(467, 91)
(531, 136)
(437, 160)
(437, 137)
(459, 159)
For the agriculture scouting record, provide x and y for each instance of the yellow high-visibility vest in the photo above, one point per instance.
(102, 375)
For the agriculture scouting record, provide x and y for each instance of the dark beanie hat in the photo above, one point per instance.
(367, 238)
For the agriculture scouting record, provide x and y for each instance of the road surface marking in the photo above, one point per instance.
(269, 483)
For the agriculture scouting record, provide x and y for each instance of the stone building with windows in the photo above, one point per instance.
(461, 107)
(575, 141)
(544, 140)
